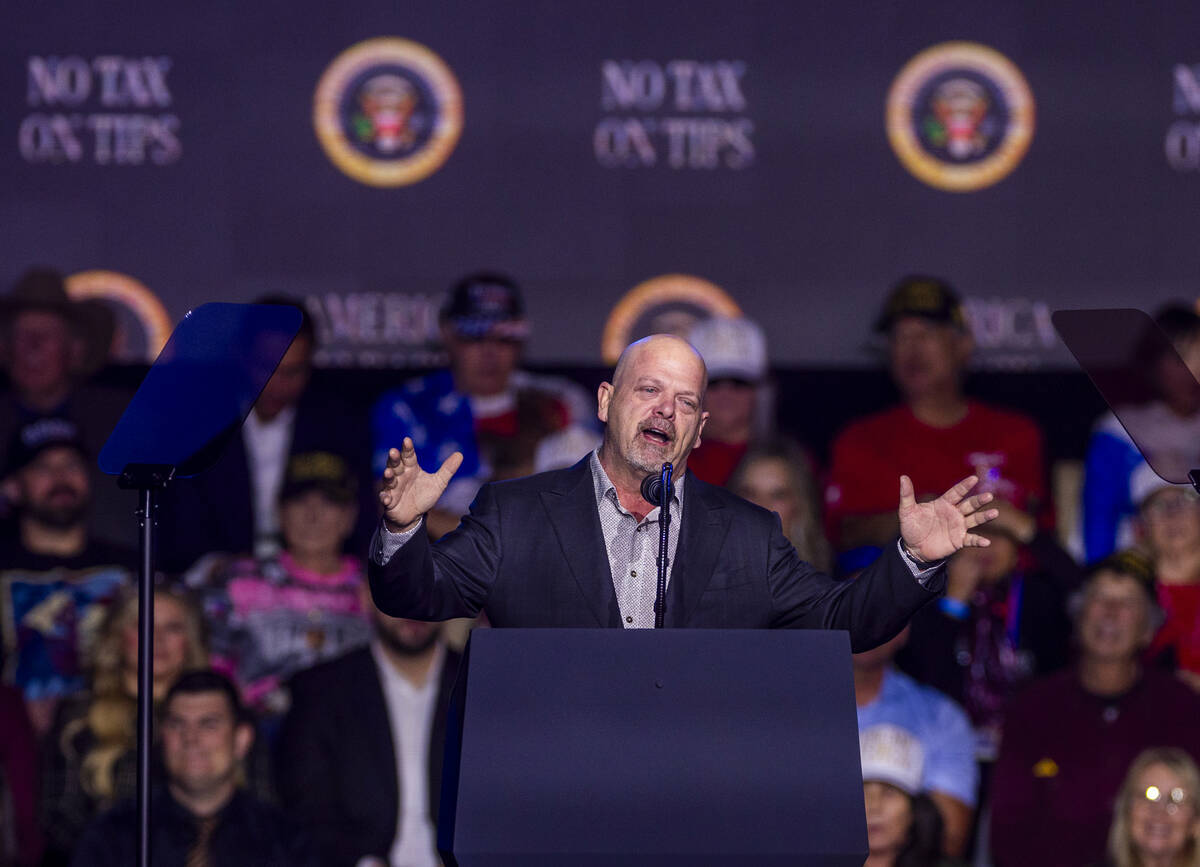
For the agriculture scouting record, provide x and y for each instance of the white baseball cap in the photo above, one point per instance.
(731, 348)
(892, 755)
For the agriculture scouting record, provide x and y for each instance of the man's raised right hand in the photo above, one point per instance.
(408, 491)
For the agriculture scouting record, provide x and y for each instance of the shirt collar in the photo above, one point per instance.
(394, 680)
(603, 485)
(282, 421)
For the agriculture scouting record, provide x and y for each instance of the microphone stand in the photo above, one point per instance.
(663, 488)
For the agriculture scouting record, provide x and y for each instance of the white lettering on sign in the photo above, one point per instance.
(1181, 145)
(1187, 89)
(108, 111)
(376, 329)
(1013, 333)
(682, 114)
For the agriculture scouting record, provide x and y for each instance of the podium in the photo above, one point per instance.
(663, 747)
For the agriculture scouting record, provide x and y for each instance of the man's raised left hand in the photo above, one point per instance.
(935, 530)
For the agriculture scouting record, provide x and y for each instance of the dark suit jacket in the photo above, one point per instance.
(531, 553)
(248, 831)
(214, 511)
(336, 769)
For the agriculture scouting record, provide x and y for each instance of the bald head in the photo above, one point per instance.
(653, 408)
(658, 346)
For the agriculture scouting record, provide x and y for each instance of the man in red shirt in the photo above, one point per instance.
(936, 428)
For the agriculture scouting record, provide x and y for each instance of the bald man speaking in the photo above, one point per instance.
(578, 547)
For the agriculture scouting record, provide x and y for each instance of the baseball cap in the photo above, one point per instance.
(33, 438)
(486, 305)
(892, 755)
(732, 348)
(1131, 562)
(930, 298)
(319, 471)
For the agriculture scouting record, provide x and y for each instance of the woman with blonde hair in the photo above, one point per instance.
(778, 476)
(90, 755)
(1155, 821)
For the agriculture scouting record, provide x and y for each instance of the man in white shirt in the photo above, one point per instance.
(361, 749)
(267, 434)
(289, 418)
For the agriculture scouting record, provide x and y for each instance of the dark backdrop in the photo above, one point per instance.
(194, 166)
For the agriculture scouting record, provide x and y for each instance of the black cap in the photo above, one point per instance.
(928, 297)
(319, 471)
(1131, 562)
(486, 305)
(33, 438)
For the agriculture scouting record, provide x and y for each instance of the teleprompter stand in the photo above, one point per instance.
(191, 402)
(653, 747)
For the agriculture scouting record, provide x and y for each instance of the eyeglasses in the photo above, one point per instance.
(1170, 800)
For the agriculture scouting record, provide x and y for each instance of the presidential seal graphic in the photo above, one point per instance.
(960, 116)
(667, 304)
(388, 112)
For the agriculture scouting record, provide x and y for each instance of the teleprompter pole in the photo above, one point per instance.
(148, 480)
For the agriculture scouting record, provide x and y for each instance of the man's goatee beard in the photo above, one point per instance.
(645, 465)
(401, 648)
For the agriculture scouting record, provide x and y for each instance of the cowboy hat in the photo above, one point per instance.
(91, 320)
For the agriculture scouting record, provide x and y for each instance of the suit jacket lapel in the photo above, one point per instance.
(374, 731)
(437, 740)
(700, 539)
(231, 484)
(572, 513)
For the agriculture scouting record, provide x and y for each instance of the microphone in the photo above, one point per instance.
(652, 487)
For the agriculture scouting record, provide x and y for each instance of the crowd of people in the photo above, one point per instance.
(1044, 710)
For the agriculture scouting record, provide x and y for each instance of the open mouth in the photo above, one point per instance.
(656, 436)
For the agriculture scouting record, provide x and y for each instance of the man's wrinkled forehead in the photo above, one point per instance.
(650, 356)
